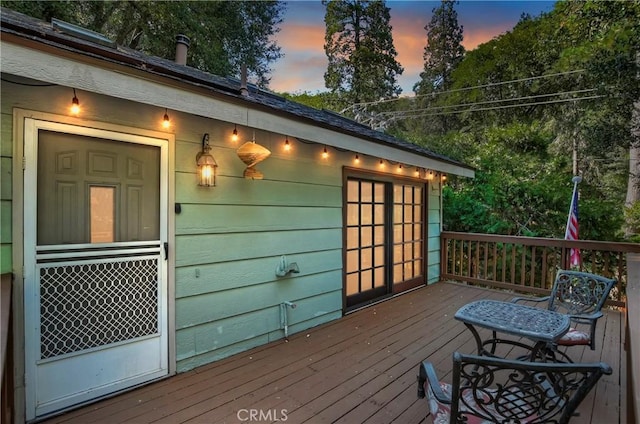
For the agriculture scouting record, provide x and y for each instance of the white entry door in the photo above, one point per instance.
(95, 263)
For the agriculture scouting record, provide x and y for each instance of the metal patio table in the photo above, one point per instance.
(542, 326)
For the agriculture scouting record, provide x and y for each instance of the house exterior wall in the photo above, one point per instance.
(6, 157)
(229, 238)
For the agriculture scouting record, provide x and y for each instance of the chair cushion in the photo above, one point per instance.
(574, 337)
(441, 412)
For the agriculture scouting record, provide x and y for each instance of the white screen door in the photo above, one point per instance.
(95, 266)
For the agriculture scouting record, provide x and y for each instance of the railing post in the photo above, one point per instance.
(633, 335)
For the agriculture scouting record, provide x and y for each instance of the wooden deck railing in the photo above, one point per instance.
(529, 264)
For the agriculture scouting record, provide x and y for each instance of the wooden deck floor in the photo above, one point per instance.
(359, 369)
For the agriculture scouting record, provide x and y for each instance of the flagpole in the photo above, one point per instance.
(576, 180)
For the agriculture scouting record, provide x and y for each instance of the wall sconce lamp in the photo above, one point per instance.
(207, 165)
(166, 123)
(75, 104)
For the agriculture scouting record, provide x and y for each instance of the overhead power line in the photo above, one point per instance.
(492, 84)
(574, 99)
(537, 96)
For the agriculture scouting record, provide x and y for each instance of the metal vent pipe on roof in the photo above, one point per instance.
(182, 46)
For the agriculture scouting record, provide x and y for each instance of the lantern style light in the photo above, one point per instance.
(207, 166)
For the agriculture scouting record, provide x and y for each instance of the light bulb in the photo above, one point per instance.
(234, 136)
(166, 123)
(75, 104)
(325, 154)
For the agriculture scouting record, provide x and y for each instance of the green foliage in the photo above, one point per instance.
(514, 188)
(223, 34)
(319, 101)
(523, 152)
(359, 47)
(632, 218)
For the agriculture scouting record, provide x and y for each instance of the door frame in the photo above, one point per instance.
(390, 289)
(19, 208)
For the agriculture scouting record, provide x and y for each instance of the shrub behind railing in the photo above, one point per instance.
(529, 264)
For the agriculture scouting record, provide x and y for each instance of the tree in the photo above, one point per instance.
(444, 50)
(604, 40)
(359, 45)
(544, 74)
(223, 34)
(442, 54)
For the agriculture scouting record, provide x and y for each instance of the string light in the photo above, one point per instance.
(325, 154)
(430, 176)
(234, 135)
(399, 168)
(75, 104)
(166, 123)
(356, 159)
(417, 172)
(287, 146)
(443, 177)
(381, 163)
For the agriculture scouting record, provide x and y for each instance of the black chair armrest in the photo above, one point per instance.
(530, 299)
(428, 374)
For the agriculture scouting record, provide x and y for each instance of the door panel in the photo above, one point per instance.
(95, 275)
(71, 166)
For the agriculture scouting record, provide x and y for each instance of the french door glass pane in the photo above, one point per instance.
(407, 232)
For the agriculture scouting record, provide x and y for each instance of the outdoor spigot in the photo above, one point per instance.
(285, 268)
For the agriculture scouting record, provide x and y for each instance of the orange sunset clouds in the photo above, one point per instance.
(302, 37)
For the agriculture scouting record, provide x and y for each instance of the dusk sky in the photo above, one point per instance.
(302, 37)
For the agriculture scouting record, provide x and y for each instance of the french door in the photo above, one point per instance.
(384, 238)
(95, 267)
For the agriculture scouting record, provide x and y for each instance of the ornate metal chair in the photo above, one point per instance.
(494, 390)
(581, 296)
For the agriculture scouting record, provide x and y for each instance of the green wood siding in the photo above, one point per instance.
(229, 238)
(433, 232)
(6, 159)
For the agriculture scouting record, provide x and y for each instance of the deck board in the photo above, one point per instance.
(359, 369)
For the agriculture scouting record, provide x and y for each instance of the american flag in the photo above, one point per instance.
(571, 232)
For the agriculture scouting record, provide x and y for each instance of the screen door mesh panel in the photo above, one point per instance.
(83, 306)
